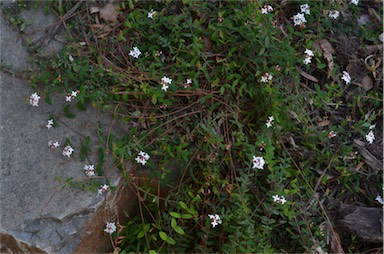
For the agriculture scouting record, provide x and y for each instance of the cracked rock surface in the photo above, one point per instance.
(37, 213)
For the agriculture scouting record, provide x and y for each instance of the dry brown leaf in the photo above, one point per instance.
(324, 123)
(108, 13)
(367, 83)
(336, 243)
(94, 9)
(330, 62)
(306, 75)
(358, 167)
(326, 46)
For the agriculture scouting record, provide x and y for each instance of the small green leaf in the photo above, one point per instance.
(151, 252)
(140, 234)
(173, 223)
(175, 215)
(170, 241)
(179, 230)
(183, 205)
(186, 216)
(163, 235)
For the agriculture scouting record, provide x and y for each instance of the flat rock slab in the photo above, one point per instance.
(37, 213)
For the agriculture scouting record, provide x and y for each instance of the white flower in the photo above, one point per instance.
(355, 2)
(71, 58)
(346, 77)
(308, 52)
(299, 19)
(332, 134)
(370, 137)
(371, 127)
(142, 158)
(334, 14)
(72, 95)
(103, 188)
(151, 13)
(110, 227)
(215, 219)
(68, 150)
(266, 9)
(165, 83)
(276, 198)
(269, 121)
(258, 162)
(89, 170)
(34, 99)
(53, 144)
(189, 81)
(379, 199)
(266, 78)
(271, 118)
(135, 52)
(50, 123)
(307, 60)
(305, 9)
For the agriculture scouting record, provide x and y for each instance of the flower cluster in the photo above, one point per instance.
(355, 2)
(266, 9)
(68, 150)
(110, 228)
(165, 82)
(269, 121)
(299, 18)
(380, 199)
(266, 78)
(72, 95)
(258, 162)
(89, 170)
(34, 99)
(334, 14)
(278, 199)
(142, 158)
(346, 77)
(215, 219)
(135, 52)
(103, 188)
(308, 56)
(151, 13)
(53, 144)
(50, 123)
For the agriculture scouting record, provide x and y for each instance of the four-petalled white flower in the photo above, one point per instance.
(299, 19)
(89, 170)
(103, 188)
(258, 162)
(334, 14)
(72, 95)
(151, 13)
(68, 150)
(266, 9)
(305, 9)
(53, 144)
(110, 227)
(266, 78)
(50, 123)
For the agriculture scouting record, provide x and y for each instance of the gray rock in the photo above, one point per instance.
(35, 208)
